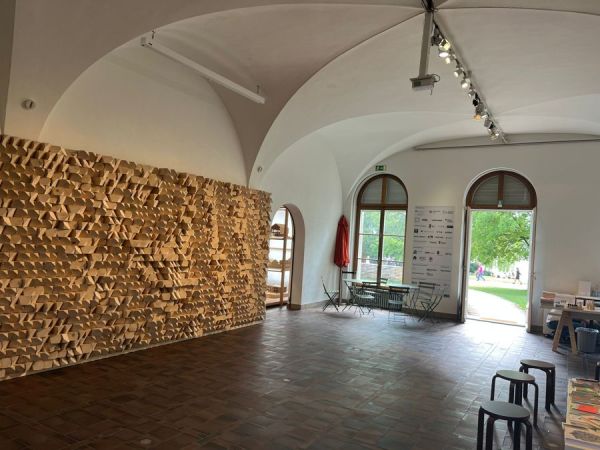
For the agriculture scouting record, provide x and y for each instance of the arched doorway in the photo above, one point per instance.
(281, 257)
(499, 244)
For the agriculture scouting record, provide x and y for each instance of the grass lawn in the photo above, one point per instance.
(516, 296)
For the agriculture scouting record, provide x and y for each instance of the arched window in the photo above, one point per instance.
(502, 190)
(380, 230)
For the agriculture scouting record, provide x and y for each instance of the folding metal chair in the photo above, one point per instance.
(358, 299)
(422, 297)
(395, 301)
(331, 297)
(428, 297)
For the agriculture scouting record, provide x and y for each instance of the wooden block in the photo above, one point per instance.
(100, 256)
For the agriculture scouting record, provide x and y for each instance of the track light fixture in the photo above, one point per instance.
(445, 44)
(448, 52)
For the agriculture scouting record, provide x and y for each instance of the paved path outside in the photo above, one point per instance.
(484, 306)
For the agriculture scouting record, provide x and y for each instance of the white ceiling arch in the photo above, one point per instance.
(62, 38)
(535, 66)
(326, 64)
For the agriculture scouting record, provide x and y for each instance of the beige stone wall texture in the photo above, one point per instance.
(100, 256)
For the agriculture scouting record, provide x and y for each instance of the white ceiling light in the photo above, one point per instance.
(204, 71)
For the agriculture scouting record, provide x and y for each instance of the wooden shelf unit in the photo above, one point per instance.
(283, 241)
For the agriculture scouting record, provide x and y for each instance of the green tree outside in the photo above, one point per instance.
(500, 237)
(393, 239)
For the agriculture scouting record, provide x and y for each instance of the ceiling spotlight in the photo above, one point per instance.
(476, 100)
(444, 44)
(443, 53)
(465, 83)
(479, 112)
(488, 123)
(458, 72)
(451, 57)
(437, 37)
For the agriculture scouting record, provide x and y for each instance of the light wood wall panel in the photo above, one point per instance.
(99, 256)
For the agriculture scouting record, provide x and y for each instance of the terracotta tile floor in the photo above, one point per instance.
(303, 379)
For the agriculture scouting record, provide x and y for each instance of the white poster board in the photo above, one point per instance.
(433, 235)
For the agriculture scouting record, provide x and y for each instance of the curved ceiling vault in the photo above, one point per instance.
(336, 70)
(534, 65)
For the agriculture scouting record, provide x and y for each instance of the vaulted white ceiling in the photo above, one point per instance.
(336, 71)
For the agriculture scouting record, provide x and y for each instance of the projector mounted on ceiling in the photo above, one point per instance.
(425, 81)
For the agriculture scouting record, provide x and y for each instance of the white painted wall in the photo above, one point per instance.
(136, 105)
(566, 179)
(306, 176)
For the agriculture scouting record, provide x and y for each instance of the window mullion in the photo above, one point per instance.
(380, 252)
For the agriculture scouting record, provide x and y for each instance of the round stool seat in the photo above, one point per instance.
(515, 375)
(504, 410)
(537, 364)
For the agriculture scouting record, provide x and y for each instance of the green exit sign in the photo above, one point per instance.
(380, 168)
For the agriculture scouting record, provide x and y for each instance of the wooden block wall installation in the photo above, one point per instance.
(100, 256)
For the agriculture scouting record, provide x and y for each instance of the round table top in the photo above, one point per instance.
(505, 410)
(515, 375)
(537, 364)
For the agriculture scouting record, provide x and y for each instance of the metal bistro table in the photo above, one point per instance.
(381, 291)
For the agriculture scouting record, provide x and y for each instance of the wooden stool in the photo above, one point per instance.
(517, 381)
(549, 369)
(503, 411)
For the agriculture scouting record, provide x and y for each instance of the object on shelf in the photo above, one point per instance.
(276, 289)
(277, 264)
(278, 230)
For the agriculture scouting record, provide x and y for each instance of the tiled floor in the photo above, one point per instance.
(304, 379)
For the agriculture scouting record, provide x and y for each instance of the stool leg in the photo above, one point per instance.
(549, 390)
(528, 436)
(519, 394)
(553, 385)
(480, 430)
(511, 393)
(489, 433)
(526, 370)
(517, 436)
(535, 403)
(493, 387)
